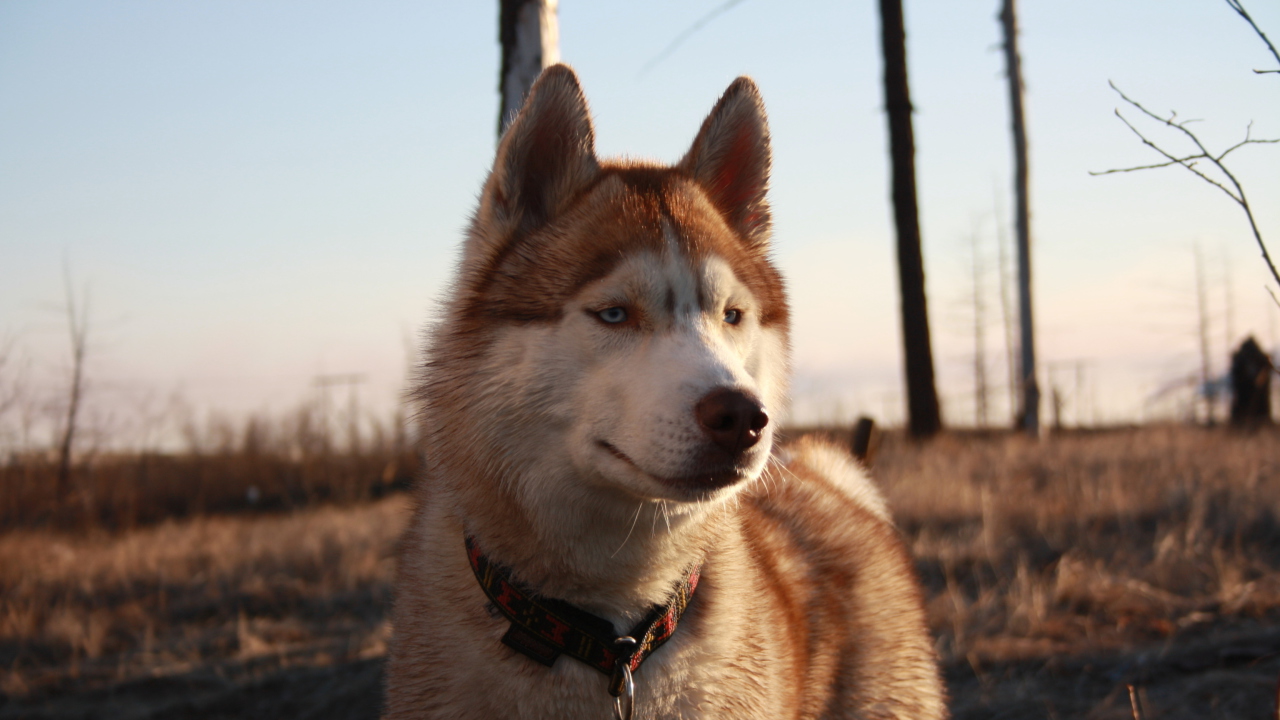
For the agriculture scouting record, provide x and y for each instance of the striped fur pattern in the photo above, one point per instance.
(599, 402)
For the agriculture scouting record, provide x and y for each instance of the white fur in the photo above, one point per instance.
(840, 469)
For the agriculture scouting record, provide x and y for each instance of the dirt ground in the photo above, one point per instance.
(1229, 673)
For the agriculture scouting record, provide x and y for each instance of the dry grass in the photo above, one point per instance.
(246, 470)
(221, 598)
(1056, 573)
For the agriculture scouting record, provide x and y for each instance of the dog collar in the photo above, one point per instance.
(543, 628)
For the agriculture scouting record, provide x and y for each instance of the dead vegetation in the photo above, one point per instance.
(221, 600)
(1056, 574)
(262, 464)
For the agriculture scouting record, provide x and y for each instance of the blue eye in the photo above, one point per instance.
(613, 315)
(733, 317)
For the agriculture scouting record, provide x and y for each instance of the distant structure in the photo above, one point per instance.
(1251, 371)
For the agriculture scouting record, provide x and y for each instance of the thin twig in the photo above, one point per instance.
(689, 31)
(1189, 162)
(1239, 8)
(1133, 703)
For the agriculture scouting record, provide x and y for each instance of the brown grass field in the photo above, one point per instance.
(1056, 574)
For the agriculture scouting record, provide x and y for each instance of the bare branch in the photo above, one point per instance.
(1248, 140)
(688, 33)
(1179, 126)
(1184, 162)
(1177, 161)
(1235, 192)
(1239, 8)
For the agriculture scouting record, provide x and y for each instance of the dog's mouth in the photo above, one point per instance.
(714, 479)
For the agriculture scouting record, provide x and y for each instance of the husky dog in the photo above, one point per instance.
(605, 527)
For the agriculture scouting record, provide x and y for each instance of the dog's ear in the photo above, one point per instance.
(730, 160)
(546, 155)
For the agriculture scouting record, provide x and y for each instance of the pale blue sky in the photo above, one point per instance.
(260, 192)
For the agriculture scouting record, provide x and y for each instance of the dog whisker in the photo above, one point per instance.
(634, 518)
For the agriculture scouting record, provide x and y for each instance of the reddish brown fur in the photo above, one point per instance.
(807, 608)
(532, 276)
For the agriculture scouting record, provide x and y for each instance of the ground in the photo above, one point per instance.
(1057, 574)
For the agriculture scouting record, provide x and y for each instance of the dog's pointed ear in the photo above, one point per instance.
(730, 159)
(545, 157)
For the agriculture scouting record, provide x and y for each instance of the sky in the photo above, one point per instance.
(252, 195)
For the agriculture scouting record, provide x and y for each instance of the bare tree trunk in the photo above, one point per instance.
(1006, 314)
(1228, 286)
(78, 325)
(1206, 355)
(1030, 390)
(923, 416)
(980, 410)
(530, 35)
(1080, 394)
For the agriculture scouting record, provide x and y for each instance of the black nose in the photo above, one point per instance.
(731, 418)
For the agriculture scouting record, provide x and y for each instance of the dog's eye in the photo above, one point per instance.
(613, 315)
(732, 316)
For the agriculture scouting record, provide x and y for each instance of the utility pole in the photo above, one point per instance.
(352, 381)
(1013, 69)
(923, 416)
(529, 31)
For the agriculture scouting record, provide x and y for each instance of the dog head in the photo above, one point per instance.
(615, 326)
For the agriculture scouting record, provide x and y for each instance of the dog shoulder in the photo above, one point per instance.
(816, 460)
(843, 567)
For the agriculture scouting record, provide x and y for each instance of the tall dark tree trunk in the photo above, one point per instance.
(530, 35)
(1030, 413)
(923, 416)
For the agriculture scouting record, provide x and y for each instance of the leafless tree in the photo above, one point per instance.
(1229, 299)
(8, 384)
(1226, 182)
(1198, 153)
(1207, 387)
(923, 415)
(978, 267)
(529, 31)
(11, 384)
(1240, 10)
(1006, 311)
(1030, 410)
(77, 310)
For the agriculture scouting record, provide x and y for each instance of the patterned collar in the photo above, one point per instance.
(543, 628)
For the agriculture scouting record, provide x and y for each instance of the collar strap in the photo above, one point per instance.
(543, 628)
